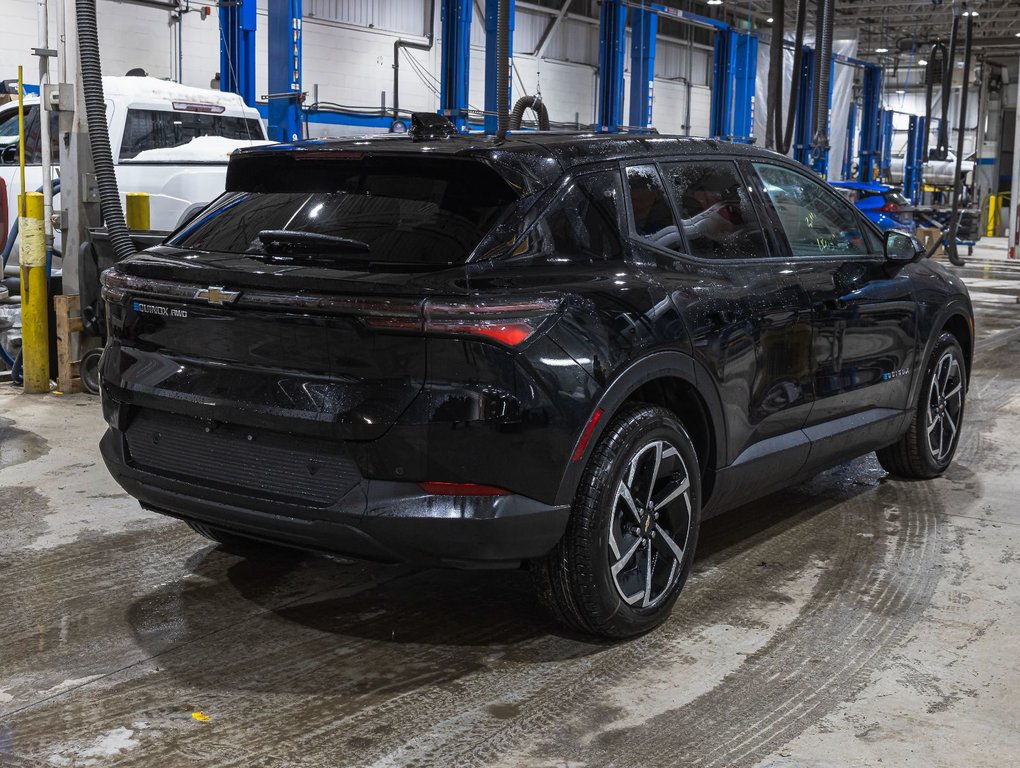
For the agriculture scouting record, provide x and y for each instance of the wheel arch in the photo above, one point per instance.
(956, 317)
(674, 381)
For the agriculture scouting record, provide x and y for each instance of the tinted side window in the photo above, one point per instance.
(716, 213)
(583, 222)
(653, 216)
(816, 221)
(147, 129)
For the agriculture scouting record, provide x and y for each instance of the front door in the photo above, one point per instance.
(863, 309)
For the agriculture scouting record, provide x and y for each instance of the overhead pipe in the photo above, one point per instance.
(401, 43)
(99, 135)
(954, 217)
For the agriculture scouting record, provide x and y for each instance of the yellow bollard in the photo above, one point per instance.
(137, 210)
(35, 317)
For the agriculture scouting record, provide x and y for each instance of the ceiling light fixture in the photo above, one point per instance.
(922, 62)
(715, 2)
(900, 91)
(881, 50)
(769, 20)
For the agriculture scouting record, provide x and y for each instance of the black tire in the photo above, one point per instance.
(88, 370)
(928, 446)
(233, 543)
(578, 581)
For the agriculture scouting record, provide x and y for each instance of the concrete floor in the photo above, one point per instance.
(850, 621)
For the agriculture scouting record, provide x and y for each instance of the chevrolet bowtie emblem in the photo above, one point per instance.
(215, 294)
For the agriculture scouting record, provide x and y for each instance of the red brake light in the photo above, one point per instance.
(510, 323)
(461, 489)
(890, 208)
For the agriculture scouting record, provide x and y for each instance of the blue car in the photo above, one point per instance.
(882, 203)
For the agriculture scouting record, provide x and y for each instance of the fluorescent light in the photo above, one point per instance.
(922, 62)
(881, 50)
(715, 2)
(769, 20)
(900, 91)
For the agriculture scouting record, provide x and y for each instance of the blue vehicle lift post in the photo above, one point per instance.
(456, 59)
(887, 137)
(802, 132)
(733, 82)
(851, 135)
(492, 64)
(644, 25)
(913, 161)
(871, 124)
(612, 54)
(285, 70)
(238, 22)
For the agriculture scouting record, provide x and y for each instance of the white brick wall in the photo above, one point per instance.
(351, 65)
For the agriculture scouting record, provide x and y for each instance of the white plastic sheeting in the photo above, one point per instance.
(842, 93)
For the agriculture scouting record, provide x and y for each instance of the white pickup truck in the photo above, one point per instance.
(941, 172)
(169, 140)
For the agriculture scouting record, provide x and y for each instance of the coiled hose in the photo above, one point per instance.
(502, 69)
(99, 136)
(823, 46)
(534, 103)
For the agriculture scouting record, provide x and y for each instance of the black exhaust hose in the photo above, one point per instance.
(823, 37)
(932, 71)
(949, 63)
(774, 100)
(99, 135)
(503, 69)
(784, 143)
(954, 218)
(535, 104)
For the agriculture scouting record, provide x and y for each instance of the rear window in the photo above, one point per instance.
(405, 210)
(894, 196)
(147, 129)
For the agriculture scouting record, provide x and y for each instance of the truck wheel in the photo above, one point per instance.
(927, 448)
(630, 541)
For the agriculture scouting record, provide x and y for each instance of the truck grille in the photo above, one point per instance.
(248, 461)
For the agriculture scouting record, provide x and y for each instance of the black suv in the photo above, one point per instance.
(559, 351)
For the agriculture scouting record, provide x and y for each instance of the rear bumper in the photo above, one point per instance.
(375, 520)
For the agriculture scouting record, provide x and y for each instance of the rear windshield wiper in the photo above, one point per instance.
(277, 240)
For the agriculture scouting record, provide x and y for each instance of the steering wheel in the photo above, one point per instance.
(9, 154)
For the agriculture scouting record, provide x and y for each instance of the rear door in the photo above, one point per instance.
(863, 310)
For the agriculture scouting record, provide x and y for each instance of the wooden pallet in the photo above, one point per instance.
(67, 310)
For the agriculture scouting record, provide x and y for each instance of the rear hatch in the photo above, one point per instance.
(291, 302)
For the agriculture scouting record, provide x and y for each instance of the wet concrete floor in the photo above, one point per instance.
(854, 620)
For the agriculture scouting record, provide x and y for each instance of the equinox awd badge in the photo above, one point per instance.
(215, 294)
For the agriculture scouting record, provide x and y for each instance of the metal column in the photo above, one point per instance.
(644, 25)
(913, 161)
(238, 22)
(871, 124)
(492, 64)
(851, 134)
(454, 70)
(803, 133)
(284, 70)
(612, 56)
(735, 61)
(887, 136)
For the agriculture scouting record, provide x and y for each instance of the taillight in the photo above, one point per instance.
(890, 207)
(508, 322)
(461, 489)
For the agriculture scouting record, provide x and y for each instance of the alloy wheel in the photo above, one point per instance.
(945, 406)
(650, 525)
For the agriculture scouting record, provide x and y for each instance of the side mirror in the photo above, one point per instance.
(901, 247)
